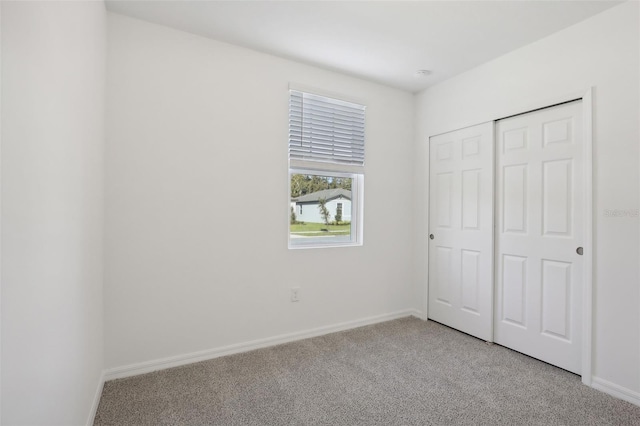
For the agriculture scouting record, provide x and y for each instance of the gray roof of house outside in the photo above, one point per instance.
(327, 194)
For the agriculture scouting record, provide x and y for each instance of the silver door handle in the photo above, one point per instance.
(580, 251)
(431, 237)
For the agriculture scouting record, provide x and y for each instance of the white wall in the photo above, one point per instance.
(53, 73)
(601, 52)
(197, 127)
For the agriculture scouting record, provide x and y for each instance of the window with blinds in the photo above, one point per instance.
(325, 130)
(326, 171)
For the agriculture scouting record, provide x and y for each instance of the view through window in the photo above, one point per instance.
(320, 209)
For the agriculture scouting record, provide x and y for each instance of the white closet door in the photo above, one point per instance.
(461, 229)
(538, 231)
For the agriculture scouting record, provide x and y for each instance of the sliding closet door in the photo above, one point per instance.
(539, 234)
(461, 229)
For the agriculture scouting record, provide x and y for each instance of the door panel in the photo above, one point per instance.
(461, 221)
(556, 201)
(444, 274)
(470, 279)
(539, 226)
(470, 199)
(515, 198)
(514, 298)
(556, 299)
(444, 185)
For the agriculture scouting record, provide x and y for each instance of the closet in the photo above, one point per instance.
(506, 232)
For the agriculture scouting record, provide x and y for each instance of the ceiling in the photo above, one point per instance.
(382, 41)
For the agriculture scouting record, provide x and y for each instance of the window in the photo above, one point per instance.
(327, 217)
(326, 171)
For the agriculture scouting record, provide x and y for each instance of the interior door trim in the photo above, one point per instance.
(587, 289)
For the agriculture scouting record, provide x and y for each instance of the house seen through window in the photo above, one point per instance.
(326, 171)
(320, 208)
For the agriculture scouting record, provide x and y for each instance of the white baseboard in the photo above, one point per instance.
(175, 361)
(616, 390)
(96, 400)
(418, 314)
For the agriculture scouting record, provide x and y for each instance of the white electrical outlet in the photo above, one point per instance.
(295, 296)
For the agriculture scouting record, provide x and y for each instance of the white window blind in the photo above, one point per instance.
(325, 130)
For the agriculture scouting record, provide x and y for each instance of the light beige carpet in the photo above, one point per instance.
(403, 372)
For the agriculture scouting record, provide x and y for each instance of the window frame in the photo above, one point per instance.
(357, 203)
(322, 167)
